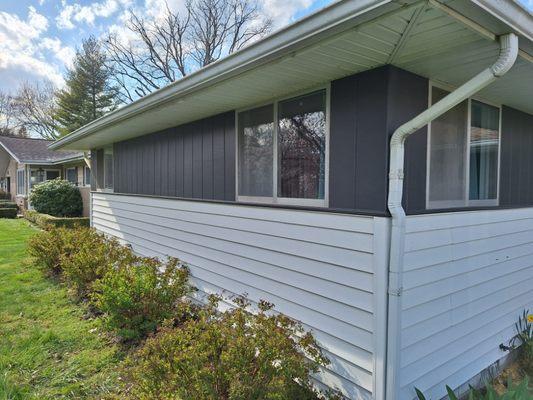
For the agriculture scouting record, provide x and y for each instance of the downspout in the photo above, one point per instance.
(506, 59)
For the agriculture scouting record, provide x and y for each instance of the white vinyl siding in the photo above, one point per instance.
(467, 278)
(320, 268)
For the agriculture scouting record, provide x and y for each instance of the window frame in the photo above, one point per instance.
(77, 183)
(443, 204)
(323, 203)
(85, 183)
(24, 182)
(30, 169)
(108, 150)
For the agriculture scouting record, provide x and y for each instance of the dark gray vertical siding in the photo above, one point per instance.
(408, 97)
(516, 170)
(365, 110)
(181, 162)
(358, 142)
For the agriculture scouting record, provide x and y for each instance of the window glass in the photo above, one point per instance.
(52, 175)
(37, 176)
(72, 175)
(256, 131)
(87, 176)
(302, 147)
(463, 167)
(21, 182)
(447, 170)
(484, 144)
(108, 169)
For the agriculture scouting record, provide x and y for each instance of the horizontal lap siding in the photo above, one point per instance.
(315, 267)
(468, 276)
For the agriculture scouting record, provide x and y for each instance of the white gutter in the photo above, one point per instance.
(506, 59)
(323, 23)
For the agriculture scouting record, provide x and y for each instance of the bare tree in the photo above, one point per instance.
(8, 116)
(169, 48)
(35, 108)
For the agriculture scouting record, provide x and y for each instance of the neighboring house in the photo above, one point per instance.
(269, 171)
(25, 162)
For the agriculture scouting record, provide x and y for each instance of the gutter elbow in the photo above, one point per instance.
(508, 55)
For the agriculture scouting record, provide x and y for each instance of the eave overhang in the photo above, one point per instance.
(446, 41)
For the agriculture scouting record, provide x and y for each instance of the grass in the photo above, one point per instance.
(48, 347)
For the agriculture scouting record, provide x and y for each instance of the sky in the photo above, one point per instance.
(38, 38)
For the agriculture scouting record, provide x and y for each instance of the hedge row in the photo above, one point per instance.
(46, 221)
(183, 350)
(8, 212)
(8, 204)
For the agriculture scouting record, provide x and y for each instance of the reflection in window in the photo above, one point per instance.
(108, 168)
(484, 143)
(256, 132)
(72, 175)
(447, 169)
(302, 147)
(87, 176)
(463, 159)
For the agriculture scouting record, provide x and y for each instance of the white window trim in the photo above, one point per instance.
(46, 170)
(85, 183)
(108, 150)
(432, 205)
(66, 175)
(275, 199)
(25, 183)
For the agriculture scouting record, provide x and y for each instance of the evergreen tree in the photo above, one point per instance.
(88, 93)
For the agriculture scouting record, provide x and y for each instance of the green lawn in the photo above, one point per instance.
(47, 349)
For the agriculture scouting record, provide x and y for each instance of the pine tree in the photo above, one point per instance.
(88, 94)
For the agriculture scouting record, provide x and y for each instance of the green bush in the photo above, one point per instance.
(8, 204)
(50, 247)
(8, 212)
(58, 198)
(93, 257)
(513, 392)
(46, 221)
(236, 355)
(136, 297)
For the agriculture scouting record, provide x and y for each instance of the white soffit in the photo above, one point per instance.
(417, 37)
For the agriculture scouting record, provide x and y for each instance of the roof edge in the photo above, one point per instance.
(271, 47)
(511, 13)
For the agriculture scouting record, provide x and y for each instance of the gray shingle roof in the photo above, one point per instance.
(35, 150)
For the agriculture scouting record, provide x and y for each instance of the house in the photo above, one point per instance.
(367, 169)
(25, 162)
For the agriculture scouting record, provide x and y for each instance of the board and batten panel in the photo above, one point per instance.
(468, 276)
(196, 160)
(320, 268)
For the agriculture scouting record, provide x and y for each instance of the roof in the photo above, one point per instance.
(447, 41)
(35, 151)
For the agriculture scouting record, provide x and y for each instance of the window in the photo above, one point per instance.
(86, 176)
(282, 151)
(21, 182)
(41, 175)
(72, 175)
(256, 153)
(108, 168)
(463, 155)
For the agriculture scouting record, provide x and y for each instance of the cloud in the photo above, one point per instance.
(75, 13)
(283, 12)
(65, 54)
(22, 47)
